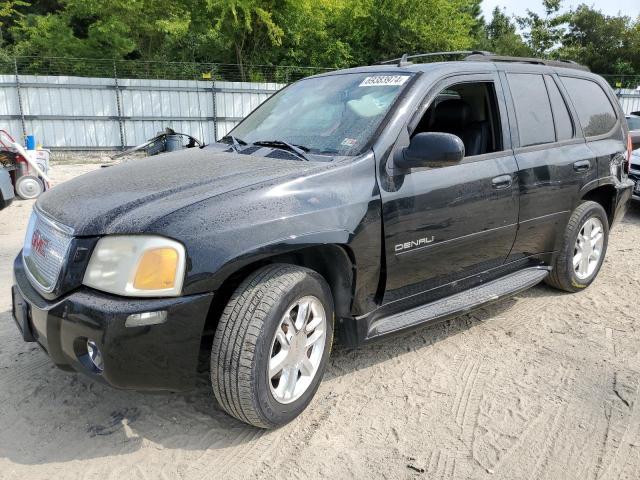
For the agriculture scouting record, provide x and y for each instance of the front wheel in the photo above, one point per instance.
(583, 250)
(271, 345)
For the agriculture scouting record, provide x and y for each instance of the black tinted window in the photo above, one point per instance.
(595, 111)
(561, 117)
(533, 111)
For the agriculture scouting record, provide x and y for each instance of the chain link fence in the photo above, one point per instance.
(137, 69)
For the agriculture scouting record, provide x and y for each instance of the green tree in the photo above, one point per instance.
(501, 36)
(607, 44)
(543, 33)
(10, 10)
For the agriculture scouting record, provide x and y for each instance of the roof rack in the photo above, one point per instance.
(404, 60)
(483, 56)
(535, 61)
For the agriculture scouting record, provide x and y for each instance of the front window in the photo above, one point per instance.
(332, 115)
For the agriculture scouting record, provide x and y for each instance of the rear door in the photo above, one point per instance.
(554, 162)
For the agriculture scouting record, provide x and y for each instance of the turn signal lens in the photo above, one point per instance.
(157, 269)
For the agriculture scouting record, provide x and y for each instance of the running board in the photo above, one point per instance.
(460, 302)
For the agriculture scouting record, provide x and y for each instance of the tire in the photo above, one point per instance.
(564, 275)
(248, 340)
(29, 187)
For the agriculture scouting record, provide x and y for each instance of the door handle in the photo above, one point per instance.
(582, 165)
(503, 181)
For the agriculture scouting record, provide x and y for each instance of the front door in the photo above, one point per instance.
(446, 224)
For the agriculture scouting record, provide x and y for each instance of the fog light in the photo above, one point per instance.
(95, 355)
(146, 319)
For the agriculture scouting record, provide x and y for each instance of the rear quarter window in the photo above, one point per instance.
(561, 116)
(595, 112)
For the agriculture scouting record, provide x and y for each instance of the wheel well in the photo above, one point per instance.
(333, 262)
(603, 195)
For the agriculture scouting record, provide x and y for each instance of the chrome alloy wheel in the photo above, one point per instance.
(297, 349)
(588, 248)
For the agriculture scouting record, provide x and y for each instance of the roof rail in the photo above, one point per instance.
(535, 61)
(404, 60)
(482, 56)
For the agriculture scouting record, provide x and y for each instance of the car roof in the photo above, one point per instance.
(465, 66)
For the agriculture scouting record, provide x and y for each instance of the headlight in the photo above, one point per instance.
(137, 266)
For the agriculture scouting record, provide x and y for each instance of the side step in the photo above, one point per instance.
(460, 302)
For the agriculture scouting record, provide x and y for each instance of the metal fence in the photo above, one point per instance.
(124, 103)
(627, 88)
(629, 99)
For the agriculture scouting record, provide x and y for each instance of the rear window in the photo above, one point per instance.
(533, 111)
(595, 111)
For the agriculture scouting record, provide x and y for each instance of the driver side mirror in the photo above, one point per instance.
(428, 149)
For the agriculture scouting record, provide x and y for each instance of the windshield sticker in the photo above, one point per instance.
(384, 80)
(349, 142)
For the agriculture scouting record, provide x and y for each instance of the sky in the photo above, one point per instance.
(519, 7)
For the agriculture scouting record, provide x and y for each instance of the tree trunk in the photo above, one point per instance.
(238, 48)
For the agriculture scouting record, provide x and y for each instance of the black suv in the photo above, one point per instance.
(361, 202)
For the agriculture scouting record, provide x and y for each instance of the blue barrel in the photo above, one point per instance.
(31, 142)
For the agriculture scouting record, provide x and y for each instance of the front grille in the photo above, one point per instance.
(45, 250)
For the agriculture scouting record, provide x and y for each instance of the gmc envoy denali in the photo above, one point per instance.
(360, 202)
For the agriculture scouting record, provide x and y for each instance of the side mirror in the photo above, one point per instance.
(430, 149)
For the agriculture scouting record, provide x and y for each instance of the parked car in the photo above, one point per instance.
(633, 122)
(634, 173)
(6, 189)
(360, 203)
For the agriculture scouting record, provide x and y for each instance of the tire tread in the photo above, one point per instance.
(560, 276)
(237, 334)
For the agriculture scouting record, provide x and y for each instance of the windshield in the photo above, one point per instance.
(634, 123)
(334, 115)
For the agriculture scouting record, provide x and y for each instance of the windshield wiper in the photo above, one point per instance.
(235, 142)
(299, 150)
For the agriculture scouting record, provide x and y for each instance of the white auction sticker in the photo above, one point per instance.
(384, 80)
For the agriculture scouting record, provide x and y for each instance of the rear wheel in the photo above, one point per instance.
(271, 345)
(583, 249)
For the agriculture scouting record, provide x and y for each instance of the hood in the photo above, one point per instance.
(129, 197)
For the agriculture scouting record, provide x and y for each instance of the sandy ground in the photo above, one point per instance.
(541, 386)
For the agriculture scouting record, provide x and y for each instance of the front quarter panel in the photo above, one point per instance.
(339, 204)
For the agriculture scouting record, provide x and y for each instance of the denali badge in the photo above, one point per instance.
(39, 243)
(421, 242)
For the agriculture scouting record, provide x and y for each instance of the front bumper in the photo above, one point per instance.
(154, 357)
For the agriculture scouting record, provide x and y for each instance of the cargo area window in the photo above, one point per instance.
(595, 111)
(469, 111)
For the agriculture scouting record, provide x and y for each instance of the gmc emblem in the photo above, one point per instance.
(39, 243)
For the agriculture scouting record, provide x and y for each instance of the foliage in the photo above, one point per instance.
(315, 33)
(502, 38)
